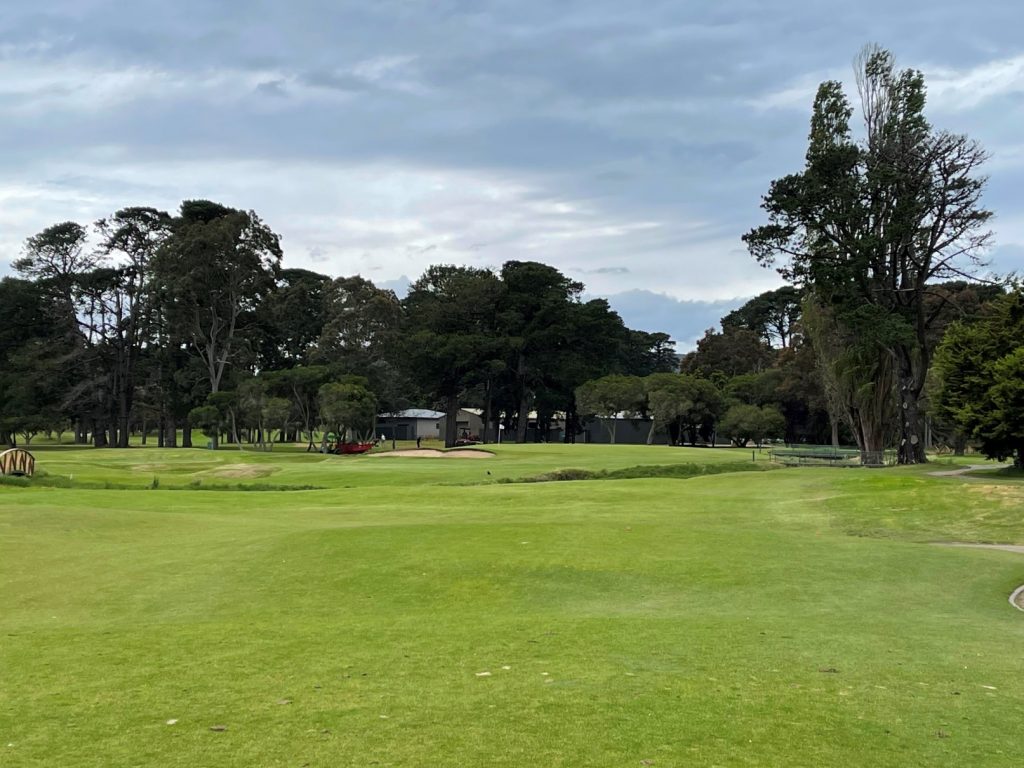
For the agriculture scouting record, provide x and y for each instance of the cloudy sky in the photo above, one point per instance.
(626, 143)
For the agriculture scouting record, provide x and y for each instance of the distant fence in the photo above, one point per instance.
(830, 456)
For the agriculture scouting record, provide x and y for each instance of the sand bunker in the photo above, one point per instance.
(433, 453)
(247, 471)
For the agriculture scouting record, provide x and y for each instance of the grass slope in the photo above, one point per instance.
(790, 618)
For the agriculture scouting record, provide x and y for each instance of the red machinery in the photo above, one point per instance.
(346, 449)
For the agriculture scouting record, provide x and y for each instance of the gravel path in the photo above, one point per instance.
(1018, 548)
(1017, 598)
(962, 471)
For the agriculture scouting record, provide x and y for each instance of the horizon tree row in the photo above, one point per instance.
(761, 376)
(152, 322)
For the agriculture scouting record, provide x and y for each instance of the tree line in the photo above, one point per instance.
(151, 323)
(762, 376)
(882, 336)
(884, 330)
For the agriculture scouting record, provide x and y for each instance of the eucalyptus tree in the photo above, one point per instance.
(451, 333)
(349, 408)
(359, 336)
(131, 237)
(291, 319)
(537, 323)
(612, 396)
(212, 272)
(773, 315)
(670, 397)
(301, 385)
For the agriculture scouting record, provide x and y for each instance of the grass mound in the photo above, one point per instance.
(641, 471)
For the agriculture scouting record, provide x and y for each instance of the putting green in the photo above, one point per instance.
(416, 612)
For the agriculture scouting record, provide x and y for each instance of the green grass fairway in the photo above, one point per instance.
(415, 612)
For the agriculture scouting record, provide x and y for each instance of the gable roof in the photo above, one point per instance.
(415, 413)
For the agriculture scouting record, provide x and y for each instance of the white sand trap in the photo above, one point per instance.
(433, 453)
(242, 471)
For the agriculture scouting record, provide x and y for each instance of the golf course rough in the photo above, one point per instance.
(789, 618)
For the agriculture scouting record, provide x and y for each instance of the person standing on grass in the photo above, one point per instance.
(418, 438)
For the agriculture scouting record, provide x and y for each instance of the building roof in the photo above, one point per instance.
(415, 413)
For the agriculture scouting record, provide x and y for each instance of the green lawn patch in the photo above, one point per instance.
(641, 471)
(797, 617)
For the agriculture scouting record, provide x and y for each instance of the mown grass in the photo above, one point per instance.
(642, 471)
(787, 618)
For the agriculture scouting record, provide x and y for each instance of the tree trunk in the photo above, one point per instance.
(124, 411)
(870, 439)
(910, 382)
(487, 412)
(451, 422)
(186, 433)
(522, 422)
(911, 449)
(311, 445)
(650, 434)
(523, 419)
(834, 423)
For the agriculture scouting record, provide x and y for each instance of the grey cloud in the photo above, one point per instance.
(419, 250)
(273, 87)
(636, 116)
(336, 81)
(684, 321)
(400, 285)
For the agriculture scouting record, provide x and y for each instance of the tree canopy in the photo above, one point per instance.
(870, 225)
(980, 373)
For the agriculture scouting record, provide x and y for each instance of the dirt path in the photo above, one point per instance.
(962, 471)
(1018, 548)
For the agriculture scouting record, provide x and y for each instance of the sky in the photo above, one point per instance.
(626, 144)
